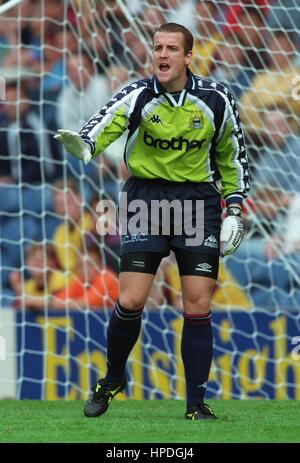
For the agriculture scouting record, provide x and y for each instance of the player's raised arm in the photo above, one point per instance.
(74, 144)
(104, 127)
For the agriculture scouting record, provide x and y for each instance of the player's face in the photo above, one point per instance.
(170, 61)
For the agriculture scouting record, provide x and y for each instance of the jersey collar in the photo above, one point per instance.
(158, 88)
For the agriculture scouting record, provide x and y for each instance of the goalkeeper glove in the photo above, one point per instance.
(74, 144)
(232, 232)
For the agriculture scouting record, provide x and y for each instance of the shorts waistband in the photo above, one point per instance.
(162, 181)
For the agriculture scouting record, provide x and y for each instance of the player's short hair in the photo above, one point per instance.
(174, 27)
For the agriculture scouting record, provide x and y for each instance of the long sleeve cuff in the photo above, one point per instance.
(236, 198)
(90, 143)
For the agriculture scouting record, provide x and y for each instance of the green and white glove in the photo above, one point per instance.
(74, 144)
(232, 232)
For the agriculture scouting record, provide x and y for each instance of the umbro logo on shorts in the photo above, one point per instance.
(155, 119)
(138, 263)
(205, 267)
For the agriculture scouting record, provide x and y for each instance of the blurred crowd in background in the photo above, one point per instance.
(62, 61)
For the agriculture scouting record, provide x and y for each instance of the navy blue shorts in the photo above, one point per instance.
(197, 206)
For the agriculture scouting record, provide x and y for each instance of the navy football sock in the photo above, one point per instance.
(122, 334)
(197, 352)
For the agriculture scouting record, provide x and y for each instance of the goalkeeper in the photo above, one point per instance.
(185, 142)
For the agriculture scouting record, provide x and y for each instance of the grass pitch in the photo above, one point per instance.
(158, 421)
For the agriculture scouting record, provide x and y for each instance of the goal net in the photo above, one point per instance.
(61, 61)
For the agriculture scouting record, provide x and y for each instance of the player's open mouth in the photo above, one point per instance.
(164, 67)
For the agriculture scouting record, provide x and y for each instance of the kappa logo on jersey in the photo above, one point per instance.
(211, 242)
(155, 119)
(205, 267)
(173, 144)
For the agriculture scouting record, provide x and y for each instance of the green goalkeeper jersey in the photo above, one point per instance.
(192, 136)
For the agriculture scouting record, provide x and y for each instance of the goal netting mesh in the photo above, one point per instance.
(61, 61)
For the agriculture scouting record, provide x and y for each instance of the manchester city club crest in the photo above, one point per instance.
(196, 120)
